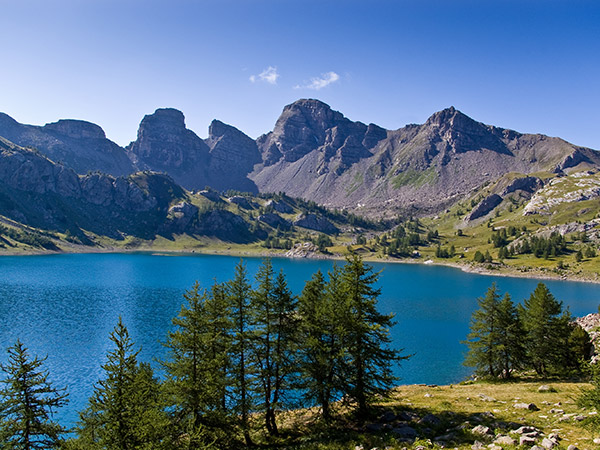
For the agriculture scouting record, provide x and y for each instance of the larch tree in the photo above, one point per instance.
(317, 353)
(547, 330)
(125, 411)
(27, 403)
(370, 359)
(483, 340)
(196, 365)
(239, 293)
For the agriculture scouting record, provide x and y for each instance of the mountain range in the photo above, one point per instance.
(313, 152)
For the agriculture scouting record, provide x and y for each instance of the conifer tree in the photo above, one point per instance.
(546, 327)
(197, 365)
(263, 337)
(284, 361)
(272, 308)
(510, 337)
(242, 371)
(124, 411)
(371, 361)
(484, 353)
(318, 356)
(27, 403)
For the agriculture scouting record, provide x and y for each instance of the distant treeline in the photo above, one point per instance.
(238, 355)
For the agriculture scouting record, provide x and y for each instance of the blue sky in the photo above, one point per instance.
(533, 66)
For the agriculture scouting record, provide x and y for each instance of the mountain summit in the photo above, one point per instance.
(316, 153)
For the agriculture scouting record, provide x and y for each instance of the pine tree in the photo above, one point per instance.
(27, 403)
(547, 330)
(263, 337)
(510, 337)
(272, 308)
(285, 342)
(371, 361)
(484, 353)
(242, 371)
(124, 411)
(319, 352)
(197, 365)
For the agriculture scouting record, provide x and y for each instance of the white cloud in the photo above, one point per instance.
(320, 82)
(269, 75)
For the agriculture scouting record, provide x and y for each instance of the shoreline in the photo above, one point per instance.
(468, 267)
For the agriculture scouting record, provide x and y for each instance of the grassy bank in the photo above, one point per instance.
(445, 416)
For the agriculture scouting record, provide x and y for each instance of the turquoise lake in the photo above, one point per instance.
(64, 306)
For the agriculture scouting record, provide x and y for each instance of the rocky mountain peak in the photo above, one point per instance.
(164, 120)
(76, 129)
(309, 112)
(450, 118)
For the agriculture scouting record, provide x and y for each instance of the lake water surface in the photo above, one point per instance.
(65, 306)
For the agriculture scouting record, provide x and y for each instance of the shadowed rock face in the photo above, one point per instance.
(232, 157)
(165, 144)
(78, 144)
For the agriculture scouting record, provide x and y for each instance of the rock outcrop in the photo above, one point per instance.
(165, 144)
(80, 145)
(232, 157)
(315, 222)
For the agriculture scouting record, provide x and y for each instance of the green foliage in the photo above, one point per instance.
(197, 366)
(239, 294)
(495, 340)
(27, 402)
(125, 411)
(370, 361)
(322, 308)
(547, 330)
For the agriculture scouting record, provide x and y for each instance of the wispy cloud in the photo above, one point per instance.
(320, 82)
(269, 75)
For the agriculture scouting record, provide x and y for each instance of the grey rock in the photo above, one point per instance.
(527, 440)
(477, 445)
(486, 206)
(529, 406)
(275, 220)
(430, 420)
(374, 427)
(548, 444)
(504, 440)
(242, 202)
(315, 222)
(546, 388)
(281, 206)
(525, 430)
(486, 398)
(405, 431)
(481, 430)
(78, 144)
(388, 416)
(213, 196)
(572, 447)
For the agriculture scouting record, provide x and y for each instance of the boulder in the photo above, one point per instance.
(481, 430)
(527, 440)
(504, 440)
(405, 432)
(528, 406)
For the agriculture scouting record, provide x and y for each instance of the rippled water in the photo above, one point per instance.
(64, 306)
